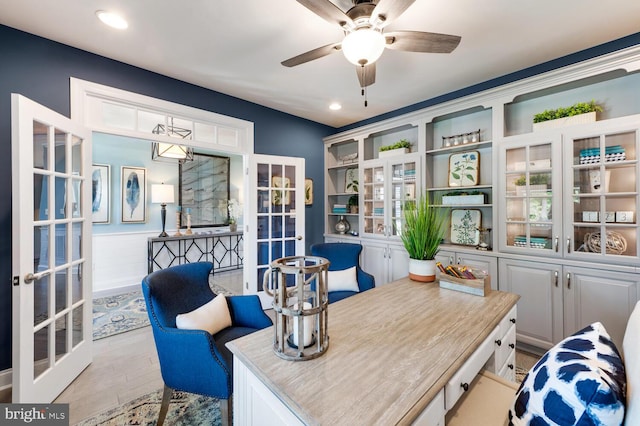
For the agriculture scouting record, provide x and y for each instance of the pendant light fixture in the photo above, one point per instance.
(168, 150)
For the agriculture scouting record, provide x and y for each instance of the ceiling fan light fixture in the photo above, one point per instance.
(363, 46)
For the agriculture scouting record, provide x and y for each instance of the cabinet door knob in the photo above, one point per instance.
(556, 245)
(513, 320)
(499, 342)
(568, 281)
(512, 346)
(510, 366)
(464, 386)
(568, 244)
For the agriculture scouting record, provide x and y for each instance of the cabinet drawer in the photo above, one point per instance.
(506, 347)
(465, 375)
(433, 415)
(508, 371)
(508, 321)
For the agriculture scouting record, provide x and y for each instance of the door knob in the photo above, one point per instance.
(29, 278)
(299, 237)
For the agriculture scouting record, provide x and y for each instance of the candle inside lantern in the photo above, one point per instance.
(307, 322)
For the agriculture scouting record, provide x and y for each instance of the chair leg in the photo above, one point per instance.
(164, 406)
(226, 411)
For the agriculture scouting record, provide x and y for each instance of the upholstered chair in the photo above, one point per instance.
(346, 277)
(194, 360)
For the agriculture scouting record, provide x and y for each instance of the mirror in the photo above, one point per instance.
(204, 190)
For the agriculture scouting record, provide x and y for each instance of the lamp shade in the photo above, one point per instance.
(161, 193)
(363, 46)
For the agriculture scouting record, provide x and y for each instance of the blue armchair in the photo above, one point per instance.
(343, 256)
(193, 360)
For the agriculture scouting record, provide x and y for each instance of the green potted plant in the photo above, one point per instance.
(581, 112)
(403, 146)
(422, 233)
(537, 182)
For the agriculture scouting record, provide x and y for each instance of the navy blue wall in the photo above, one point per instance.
(40, 70)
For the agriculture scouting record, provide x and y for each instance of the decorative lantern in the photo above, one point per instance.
(298, 285)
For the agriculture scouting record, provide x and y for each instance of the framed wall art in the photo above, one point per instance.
(464, 226)
(351, 181)
(133, 190)
(464, 168)
(101, 193)
(308, 191)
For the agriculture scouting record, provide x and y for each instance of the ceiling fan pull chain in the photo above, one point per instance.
(363, 91)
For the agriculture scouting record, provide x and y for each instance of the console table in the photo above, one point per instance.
(223, 249)
(398, 354)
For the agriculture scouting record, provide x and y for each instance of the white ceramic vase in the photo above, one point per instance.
(422, 270)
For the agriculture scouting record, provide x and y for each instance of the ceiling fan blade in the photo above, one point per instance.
(327, 11)
(311, 55)
(418, 41)
(388, 10)
(366, 75)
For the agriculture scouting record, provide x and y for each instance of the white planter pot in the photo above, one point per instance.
(422, 270)
(457, 200)
(393, 152)
(589, 117)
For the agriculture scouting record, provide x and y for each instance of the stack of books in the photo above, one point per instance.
(611, 153)
(340, 208)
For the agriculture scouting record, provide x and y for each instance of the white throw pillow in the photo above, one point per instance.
(212, 316)
(344, 280)
(631, 354)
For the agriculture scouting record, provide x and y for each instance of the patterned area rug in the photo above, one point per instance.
(185, 409)
(125, 312)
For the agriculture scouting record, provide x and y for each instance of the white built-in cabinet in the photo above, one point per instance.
(564, 235)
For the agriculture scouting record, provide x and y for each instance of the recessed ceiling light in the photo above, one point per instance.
(112, 19)
(335, 106)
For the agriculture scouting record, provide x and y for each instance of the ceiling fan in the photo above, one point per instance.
(365, 39)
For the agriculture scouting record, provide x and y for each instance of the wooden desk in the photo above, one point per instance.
(392, 351)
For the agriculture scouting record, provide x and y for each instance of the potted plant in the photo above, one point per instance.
(403, 146)
(537, 182)
(421, 235)
(581, 112)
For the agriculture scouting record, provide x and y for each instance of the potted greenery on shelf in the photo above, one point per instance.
(421, 235)
(403, 146)
(537, 182)
(581, 112)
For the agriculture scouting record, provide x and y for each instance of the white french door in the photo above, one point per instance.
(51, 251)
(275, 222)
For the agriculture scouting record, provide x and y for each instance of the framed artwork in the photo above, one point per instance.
(464, 168)
(351, 181)
(101, 193)
(308, 191)
(280, 197)
(133, 190)
(464, 226)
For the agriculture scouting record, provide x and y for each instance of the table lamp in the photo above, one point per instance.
(163, 194)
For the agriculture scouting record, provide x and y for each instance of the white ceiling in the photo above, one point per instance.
(235, 47)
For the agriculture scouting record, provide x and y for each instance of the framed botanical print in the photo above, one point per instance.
(465, 226)
(133, 190)
(308, 191)
(464, 168)
(351, 181)
(101, 193)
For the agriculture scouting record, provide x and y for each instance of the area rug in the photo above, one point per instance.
(185, 409)
(125, 312)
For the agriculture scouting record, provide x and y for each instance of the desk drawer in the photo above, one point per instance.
(506, 347)
(433, 415)
(508, 321)
(508, 370)
(465, 375)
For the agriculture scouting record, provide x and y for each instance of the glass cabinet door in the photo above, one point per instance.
(601, 217)
(403, 191)
(373, 200)
(531, 197)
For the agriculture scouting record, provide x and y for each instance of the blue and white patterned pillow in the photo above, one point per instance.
(580, 381)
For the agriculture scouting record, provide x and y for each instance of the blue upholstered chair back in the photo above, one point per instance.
(344, 256)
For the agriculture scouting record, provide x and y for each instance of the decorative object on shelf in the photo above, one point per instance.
(280, 196)
(461, 139)
(464, 168)
(178, 214)
(342, 225)
(537, 184)
(235, 210)
(595, 181)
(484, 243)
(421, 236)
(403, 146)
(534, 242)
(464, 226)
(353, 204)
(188, 231)
(611, 154)
(134, 194)
(465, 279)
(297, 322)
(162, 194)
(615, 242)
(308, 191)
(579, 113)
(101, 193)
(462, 198)
(339, 209)
(349, 158)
